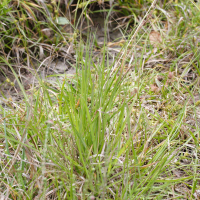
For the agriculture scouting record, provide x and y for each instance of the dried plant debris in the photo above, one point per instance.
(155, 38)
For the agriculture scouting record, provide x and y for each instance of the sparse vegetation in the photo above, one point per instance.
(123, 124)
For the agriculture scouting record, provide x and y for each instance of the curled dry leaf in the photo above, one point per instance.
(155, 38)
(41, 53)
(92, 197)
(170, 75)
(154, 88)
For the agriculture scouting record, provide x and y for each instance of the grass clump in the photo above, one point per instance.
(126, 129)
